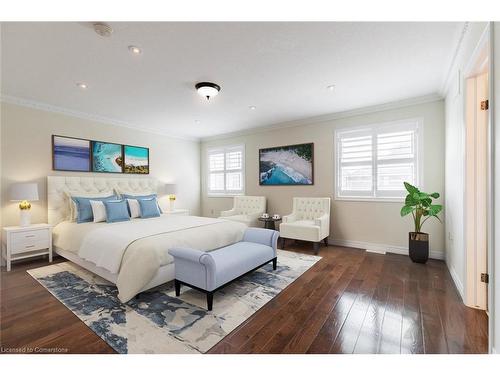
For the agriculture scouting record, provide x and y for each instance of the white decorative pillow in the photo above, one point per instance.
(98, 210)
(73, 212)
(135, 208)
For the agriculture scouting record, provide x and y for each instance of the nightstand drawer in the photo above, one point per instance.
(29, 241)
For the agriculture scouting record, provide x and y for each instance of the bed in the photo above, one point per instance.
(132, 255)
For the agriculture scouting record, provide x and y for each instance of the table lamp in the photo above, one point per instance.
(24, 192)
(171, 189)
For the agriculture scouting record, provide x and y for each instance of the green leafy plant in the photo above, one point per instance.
(419, 204)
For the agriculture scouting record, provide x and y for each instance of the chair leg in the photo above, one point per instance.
(275, 263)
(325, 240)
(316, 247)
(177, 287)
(210, 300)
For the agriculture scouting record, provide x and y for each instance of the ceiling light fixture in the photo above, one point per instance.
(135, 50)
(103, 29)
(330, 88)
(82, 85)
(252, 107)
(207, 89)
(197, 121)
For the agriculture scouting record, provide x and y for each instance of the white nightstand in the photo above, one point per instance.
(26, 242)
(177, 211)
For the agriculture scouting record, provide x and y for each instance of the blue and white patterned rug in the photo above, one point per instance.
(159, 322)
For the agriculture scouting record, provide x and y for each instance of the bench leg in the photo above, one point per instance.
(177, 288)
(325, 240)
(275, 263)
(210, 300)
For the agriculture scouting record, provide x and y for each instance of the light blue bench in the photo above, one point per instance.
(209, 271)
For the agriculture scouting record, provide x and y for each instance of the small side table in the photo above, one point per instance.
(269, 223)
(26, 242)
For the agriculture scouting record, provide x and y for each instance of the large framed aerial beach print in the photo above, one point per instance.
(107, 157)
(136, 159)
(70, 154)
(287, 165)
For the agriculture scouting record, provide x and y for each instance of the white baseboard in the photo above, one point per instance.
(456, 280)
(380, 248)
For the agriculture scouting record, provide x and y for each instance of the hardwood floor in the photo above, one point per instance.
(349, 302)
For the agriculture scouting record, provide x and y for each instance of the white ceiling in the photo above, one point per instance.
(281, 68)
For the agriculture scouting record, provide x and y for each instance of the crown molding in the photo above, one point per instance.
(330, 117)
(86, 116)
(458, 47)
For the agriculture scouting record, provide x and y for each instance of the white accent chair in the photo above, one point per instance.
(246, 209)
(309, 221)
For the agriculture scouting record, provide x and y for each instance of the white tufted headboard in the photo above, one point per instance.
(58, 188)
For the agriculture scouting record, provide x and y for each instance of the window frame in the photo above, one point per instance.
(374, 129)
(225, 171)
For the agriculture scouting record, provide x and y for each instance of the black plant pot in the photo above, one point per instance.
(419, 246)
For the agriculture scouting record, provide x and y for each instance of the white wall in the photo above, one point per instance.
(495, 329)
(361, 222)
(455, 157)
(26, 155)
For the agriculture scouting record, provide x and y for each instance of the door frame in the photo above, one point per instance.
(485, 43)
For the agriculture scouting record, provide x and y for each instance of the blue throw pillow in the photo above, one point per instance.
(84, 209)
(149, 208)
(116, 210)
(150, 196)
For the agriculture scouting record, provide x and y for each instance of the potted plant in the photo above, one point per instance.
(419, 204)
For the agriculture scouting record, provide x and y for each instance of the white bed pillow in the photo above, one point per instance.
(98, 210)
(135, 208)
(73, 212)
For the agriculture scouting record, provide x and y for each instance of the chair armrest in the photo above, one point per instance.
(262, 236)
(192, 255)
(289, 218)
(231, 212)
(324, 223)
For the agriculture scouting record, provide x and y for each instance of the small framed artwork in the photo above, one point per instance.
(70, 154)
(136, 159)
(287, 165)
(107, 157)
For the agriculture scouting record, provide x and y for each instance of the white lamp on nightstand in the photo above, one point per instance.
(24, 192)
(171, 189)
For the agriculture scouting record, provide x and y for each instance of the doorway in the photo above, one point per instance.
(477, 176)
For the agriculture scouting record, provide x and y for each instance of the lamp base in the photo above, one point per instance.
(171, 205)
(25, 218)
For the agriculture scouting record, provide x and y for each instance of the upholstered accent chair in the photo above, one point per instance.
(246, 209)
(309, 221)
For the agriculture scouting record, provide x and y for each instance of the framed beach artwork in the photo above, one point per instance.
(287, 165)
(107, 157)
(136, 159)
(70, 154)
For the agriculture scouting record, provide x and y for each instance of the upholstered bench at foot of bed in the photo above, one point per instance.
(212, 270)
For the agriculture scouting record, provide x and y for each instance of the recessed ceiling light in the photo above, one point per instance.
(197, 121)
(103, 29)
(207, 89)
(330, 88)
(82, 85)
(252, 107)
(135, 50)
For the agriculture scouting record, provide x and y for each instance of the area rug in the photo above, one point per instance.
(159, 322)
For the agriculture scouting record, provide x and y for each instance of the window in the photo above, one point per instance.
(372, 162)
(226, 171)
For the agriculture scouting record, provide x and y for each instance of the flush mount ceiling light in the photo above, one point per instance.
(103, 29)
(252, 107)
(135, 50)
(207, 89)
(82, 85)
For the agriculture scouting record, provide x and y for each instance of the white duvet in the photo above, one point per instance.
(136, 249)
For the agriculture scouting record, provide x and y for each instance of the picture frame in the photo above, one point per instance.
(135, 159)
(291, 165)
(71, 154)
(106, 157)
